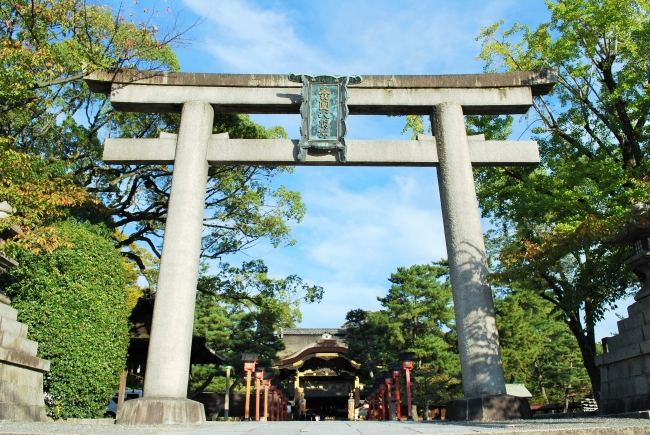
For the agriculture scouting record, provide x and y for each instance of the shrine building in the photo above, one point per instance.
(316, 364)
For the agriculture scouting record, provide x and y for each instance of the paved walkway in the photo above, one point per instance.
(591, 426)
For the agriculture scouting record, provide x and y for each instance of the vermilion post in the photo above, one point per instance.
(397, 400)
(407, 364)
(389, 381)
(248, 396)
(396, 371)
(257, 399)
(266, 383)
(250, 359)
(382, 388)
(259, 374)
(272, 415)
(408, 394)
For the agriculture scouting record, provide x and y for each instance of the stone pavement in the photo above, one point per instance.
(587, 426)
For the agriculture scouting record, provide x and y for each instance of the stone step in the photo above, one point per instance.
(20, 376)
(8, 312)
(13, 327)
(17, 412)
(636, 320)
(630, 336)
(15, 342)
(639, 307)
(12, 358)
(25, 395)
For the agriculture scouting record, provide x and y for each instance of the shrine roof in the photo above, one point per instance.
(313, 331)
(540, 81)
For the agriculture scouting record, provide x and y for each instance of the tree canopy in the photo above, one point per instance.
(553, 221)
(241, 310)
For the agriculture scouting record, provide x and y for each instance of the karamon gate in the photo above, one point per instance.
(324, 102)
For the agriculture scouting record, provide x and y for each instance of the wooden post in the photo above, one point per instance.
(408, 393)
(257, 399)
(120, 394)
(227, 398)
(248, 396)
(398, 404)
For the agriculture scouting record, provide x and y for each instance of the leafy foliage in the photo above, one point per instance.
(537, 348)
(417, 317)
(553, 220)
(241, 310)
(41, 194)
(73, 300)
(47, 110)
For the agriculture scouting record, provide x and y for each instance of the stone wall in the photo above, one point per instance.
(21, 372)
(625, 363)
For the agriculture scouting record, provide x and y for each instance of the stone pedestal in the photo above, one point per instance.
(625, 363)
(488, 408)
(21, 372)
(161, 410)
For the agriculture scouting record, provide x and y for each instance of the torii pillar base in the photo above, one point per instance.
(488, 408)
(161, 410)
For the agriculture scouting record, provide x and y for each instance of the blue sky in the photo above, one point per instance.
(361, 223)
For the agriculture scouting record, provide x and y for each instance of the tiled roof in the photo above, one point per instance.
(313, 331)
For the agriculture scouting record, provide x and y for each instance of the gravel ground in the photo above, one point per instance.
(590, 426)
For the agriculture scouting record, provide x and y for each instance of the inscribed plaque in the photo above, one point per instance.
(324, 112)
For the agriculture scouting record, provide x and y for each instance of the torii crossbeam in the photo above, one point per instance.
(445, 98)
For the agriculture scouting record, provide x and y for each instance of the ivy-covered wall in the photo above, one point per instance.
(74, 302)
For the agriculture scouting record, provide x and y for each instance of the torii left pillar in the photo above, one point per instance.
(165, 387)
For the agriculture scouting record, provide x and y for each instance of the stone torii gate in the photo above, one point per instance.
(199, 96)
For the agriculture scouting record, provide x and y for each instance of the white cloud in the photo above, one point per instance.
(248, 39)
(361, 224)
(351, 37)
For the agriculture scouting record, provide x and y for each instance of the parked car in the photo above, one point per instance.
(111, 408)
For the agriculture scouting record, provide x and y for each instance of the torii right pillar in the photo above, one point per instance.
(478, 340)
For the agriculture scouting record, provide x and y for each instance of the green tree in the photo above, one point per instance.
(73, 300)
(417, 317)
(553, 220)
(537, 347)
(241, 310)
(46, 109)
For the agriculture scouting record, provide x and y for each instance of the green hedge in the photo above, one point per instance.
(74, 302)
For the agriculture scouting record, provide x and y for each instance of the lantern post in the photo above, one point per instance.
(396, 371)
(259, 375)
(266, 383)
(407, 364)
(388, 380)
(272, 388)
(226, 406)
(382, 389)
(250, 359)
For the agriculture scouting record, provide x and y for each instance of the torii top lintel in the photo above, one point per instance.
(479, 94)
